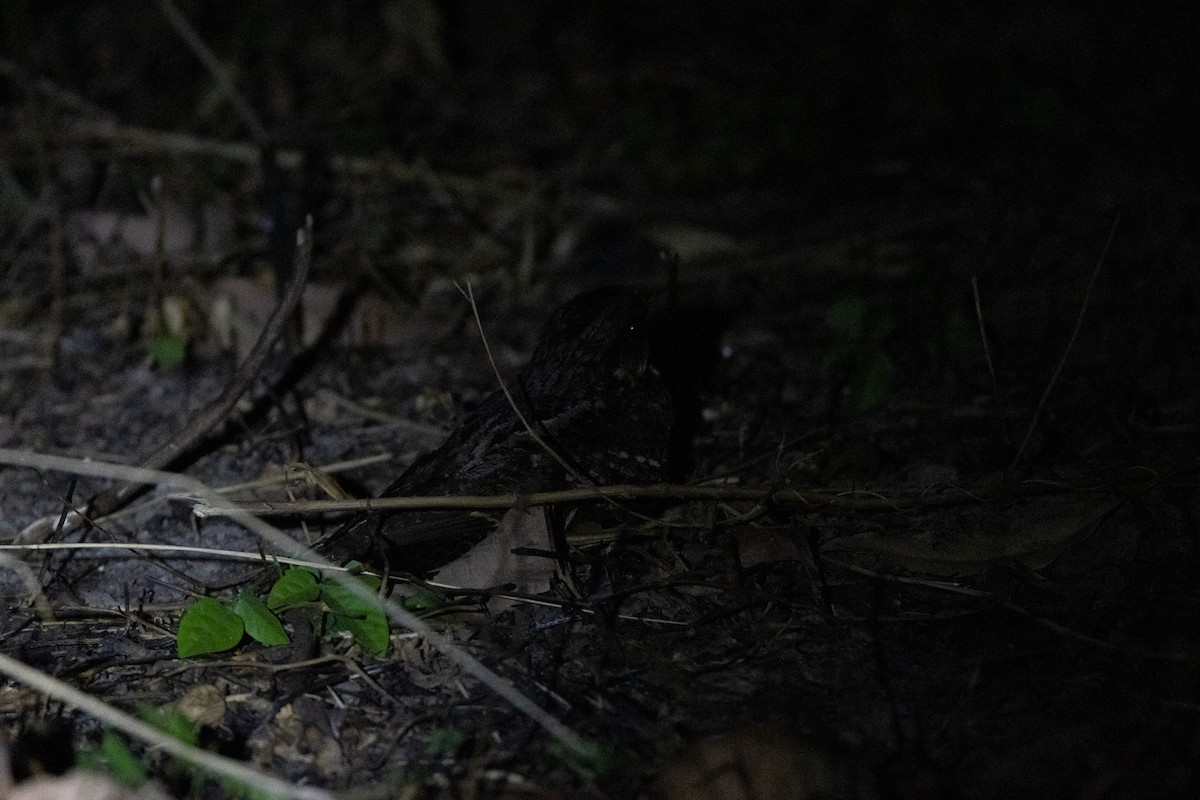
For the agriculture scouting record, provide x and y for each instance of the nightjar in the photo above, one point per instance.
(590, 393)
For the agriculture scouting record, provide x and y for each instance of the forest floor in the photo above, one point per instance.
(933, 529)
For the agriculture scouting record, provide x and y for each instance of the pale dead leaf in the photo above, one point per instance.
(208, 229)
(203, 704)
(139, 232)
(76, 785)
(240, 307)
(303, 734)
(492, 562)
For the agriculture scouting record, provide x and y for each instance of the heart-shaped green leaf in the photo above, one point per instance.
(208, 627)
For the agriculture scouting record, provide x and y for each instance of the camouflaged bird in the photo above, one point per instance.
(589, 392)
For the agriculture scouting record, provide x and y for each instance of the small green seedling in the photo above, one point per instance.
(167, 350)
(213, 626)
(593, 759)
(858, 348)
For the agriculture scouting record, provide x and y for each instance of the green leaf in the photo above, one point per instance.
(261, 624)
(423, 600)
(341, 600)
(591, 761)
(370, 630)
(207, 627)
(872, 382)
(167, 350)
(961, 336)
(241, 791)
(880, 327)
(123, 765)
(444, 742)
(171, 721)
(364, 620)
(847, 317)
(294, 587)
(89, 759)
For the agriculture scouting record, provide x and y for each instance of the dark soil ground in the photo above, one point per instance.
(927, 277)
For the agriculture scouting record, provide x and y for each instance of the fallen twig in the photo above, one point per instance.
(1050, 384)
(857, 500)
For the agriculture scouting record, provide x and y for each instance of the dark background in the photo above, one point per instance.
(698, 94)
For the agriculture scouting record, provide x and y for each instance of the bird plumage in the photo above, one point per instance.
(590, 394)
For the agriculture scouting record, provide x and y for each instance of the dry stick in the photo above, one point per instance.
(958, 589)
(224, 80)
(291, 548)
(141, 140)
(1100, 644)
(36, 596)
(40, 85)
(203, 423)
(848, 501)
(814, 501)
(987, 352)
(1087, 298)
(152, 547)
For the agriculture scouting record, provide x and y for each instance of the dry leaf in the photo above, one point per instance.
(492, 562)
(208, 229)
(203, 704)
(303, 733)
(240, 307)
(78, 785)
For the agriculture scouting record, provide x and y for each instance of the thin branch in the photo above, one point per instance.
(153, 547)
(37, 597)
(858, 500)
(1087, 299)
(987, 351)
(141, 140)
(224, 80)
